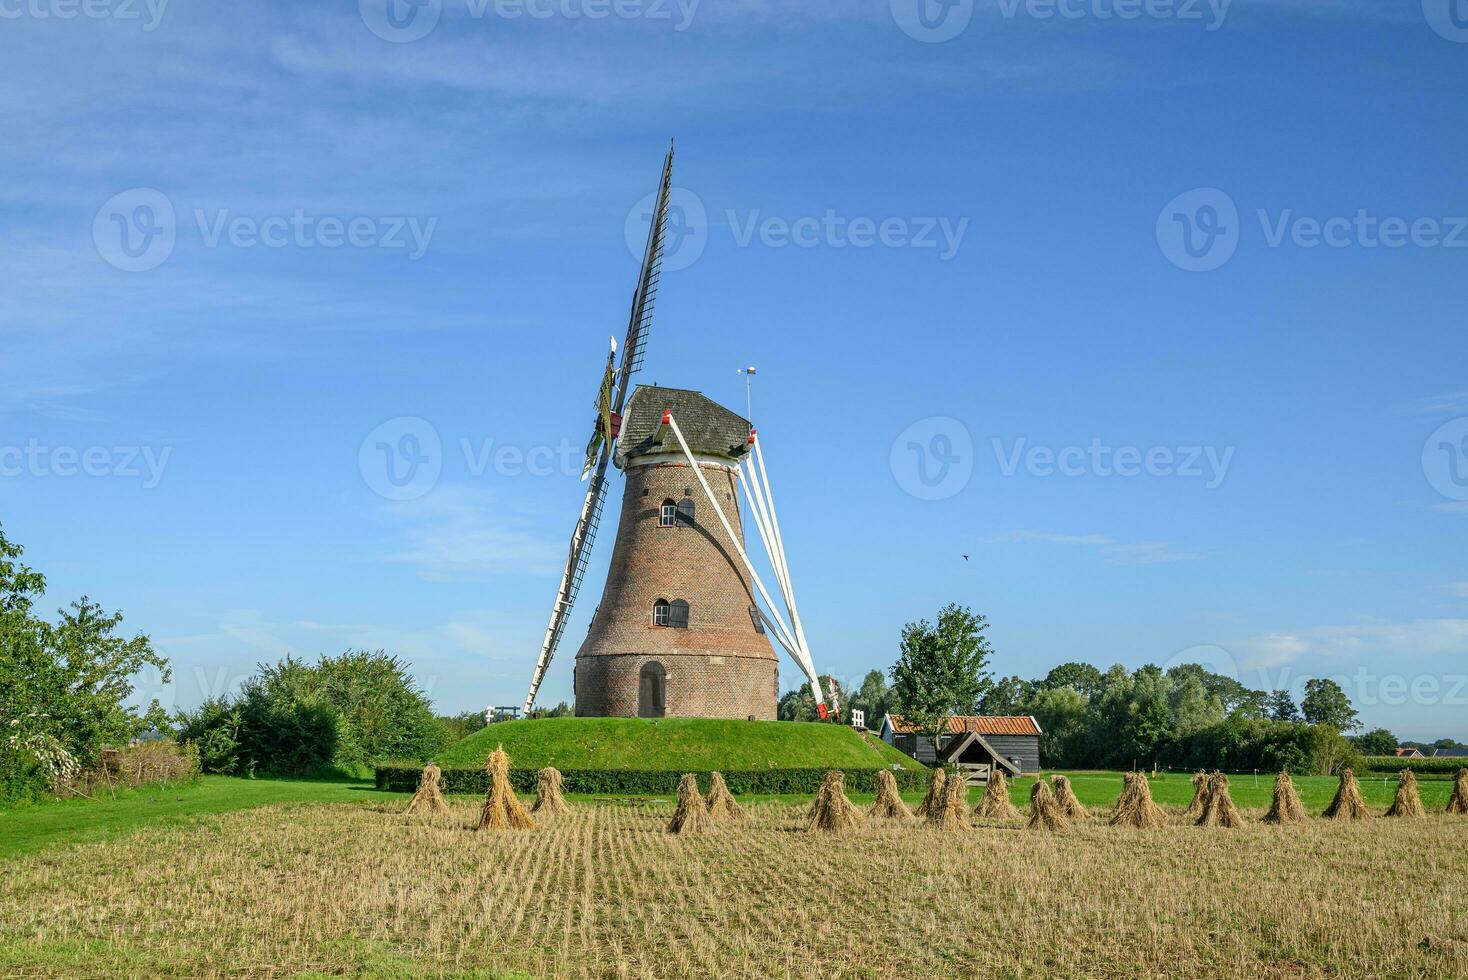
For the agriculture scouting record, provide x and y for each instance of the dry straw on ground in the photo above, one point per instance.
(951, 812)
(690, 816)
(995, 803)
(1065, 798)
(1218, 806)
(832, 812)
(1286, 807)
(889, 805)
(1408, 802)
(548, 789)
(1347, 804)
(1045, 813)
(502, 810)
(934, 795)
(721, 805)
(1200, 796)
(1134, 808)
(354, 889)
(428, 799)
(1458, 802)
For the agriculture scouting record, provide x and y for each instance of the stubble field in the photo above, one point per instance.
(360, 889)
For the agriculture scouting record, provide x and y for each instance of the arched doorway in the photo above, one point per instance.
(652, 690)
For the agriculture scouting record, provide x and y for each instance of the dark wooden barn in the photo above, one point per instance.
(974, 742)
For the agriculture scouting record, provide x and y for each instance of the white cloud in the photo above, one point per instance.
(1360, 642)
(454, 532)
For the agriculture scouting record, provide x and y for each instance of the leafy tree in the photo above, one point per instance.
(1325, 703)
(872, 697)
(1061, 714)
(1280, 706)
(64, 686)
(348, 712)
(943, 668)
(1378, 741)
(1084, 678)
(1008, 696)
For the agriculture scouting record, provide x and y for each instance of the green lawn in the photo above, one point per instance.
(677, 744)
(1100, 789)
(61, 822)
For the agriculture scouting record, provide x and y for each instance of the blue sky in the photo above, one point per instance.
(367, 228)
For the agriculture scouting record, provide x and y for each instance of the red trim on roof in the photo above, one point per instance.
(980, 724)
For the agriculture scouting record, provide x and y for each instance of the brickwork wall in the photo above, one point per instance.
(719, 667)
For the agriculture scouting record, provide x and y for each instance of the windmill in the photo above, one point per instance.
(720, 667)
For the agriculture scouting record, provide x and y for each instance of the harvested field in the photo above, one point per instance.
(605, 891)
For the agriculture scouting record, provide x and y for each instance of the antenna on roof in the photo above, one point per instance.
(748, 373)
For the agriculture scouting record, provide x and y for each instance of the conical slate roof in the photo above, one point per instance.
(710, 428)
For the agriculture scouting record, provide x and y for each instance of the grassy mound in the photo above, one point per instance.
(686, 744)
(633, 755)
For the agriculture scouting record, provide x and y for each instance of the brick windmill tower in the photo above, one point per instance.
(685, 620)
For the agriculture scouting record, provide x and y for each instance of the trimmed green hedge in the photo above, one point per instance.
(1434, 767)
(403, 778)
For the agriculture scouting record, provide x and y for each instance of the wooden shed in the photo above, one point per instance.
(1012, 741)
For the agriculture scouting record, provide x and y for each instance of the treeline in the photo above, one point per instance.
(1183, 717)
(342, 714)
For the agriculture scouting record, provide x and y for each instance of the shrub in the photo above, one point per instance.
(159, 762)
(344, 713)
(1421, 767)
(402, 777)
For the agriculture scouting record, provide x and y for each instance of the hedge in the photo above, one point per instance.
(403, 778)
(1434, 767)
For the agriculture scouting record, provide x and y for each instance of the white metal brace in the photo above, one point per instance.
(788, 640)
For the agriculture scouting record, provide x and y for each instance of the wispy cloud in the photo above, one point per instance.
(1449, 403)
(1358, 642)
(1112, 550)
(455, 532)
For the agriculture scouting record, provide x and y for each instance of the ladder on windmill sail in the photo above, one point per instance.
(616, 384)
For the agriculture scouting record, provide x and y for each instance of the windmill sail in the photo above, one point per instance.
(609, 405)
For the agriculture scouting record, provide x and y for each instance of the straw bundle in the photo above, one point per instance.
(690, 816)
(1200, 796)
(832, 812)
(429, 796)
(548, 798)
(1286, 807)
(1065, 798)
(1045, 813)
(1458, 802)
(889, 805)
(1347, 804)
(1408, 802)
(1134, 807)
(951, 811)
(722, 806)
(502, 811)
(995, 803)
(1218, 807)
(934, 794)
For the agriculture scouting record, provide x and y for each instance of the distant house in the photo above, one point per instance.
(1011, 742)
(1450, 753)
(1409, 752)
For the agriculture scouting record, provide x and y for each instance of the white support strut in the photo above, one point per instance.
(774, 521)
(783, 633)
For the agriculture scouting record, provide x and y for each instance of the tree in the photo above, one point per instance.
(1007, 697)
(1378, 741)
(1325, 703)
(64, 687)
(872, 697)
(1280, 706)
(942, 669)
(1084, 678)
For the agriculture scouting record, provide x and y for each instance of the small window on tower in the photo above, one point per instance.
(661, 613)
(669, 516)
(759, 624)
(678, 615)
(685, 512)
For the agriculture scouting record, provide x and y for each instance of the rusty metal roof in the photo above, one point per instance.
(980, 724)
